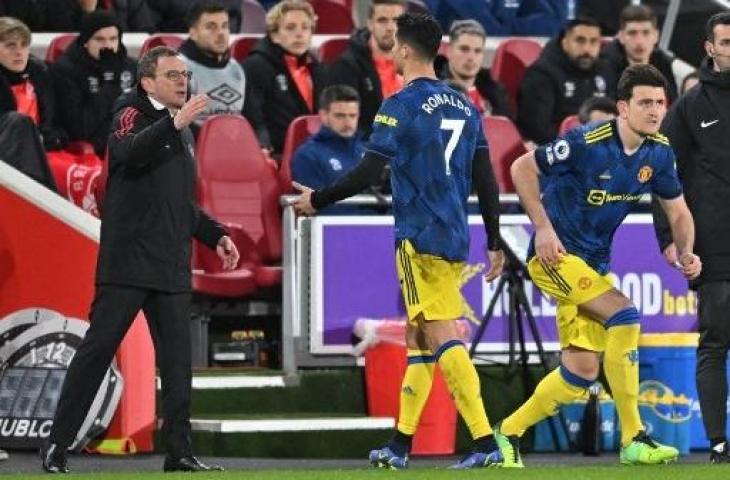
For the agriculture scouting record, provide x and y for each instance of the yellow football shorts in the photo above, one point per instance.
(430, 284)
(572, 283)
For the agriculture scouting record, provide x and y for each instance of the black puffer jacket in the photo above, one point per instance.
(86, 90)
(150, 213)
(554, 87)
(698, 127)
(274, 97)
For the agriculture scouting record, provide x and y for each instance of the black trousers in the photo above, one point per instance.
(112, 312)
(714, 320)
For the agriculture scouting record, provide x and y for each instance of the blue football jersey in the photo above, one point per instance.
(593, 185)
(429, 132)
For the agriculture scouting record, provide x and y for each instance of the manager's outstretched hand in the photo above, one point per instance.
(190, 111)
(303, 204)
(227, 252)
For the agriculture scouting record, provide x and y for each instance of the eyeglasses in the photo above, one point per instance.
(175, 75)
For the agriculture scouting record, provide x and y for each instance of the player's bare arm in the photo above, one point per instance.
(683, 233)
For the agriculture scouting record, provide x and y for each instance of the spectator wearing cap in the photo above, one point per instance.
(89, 77)
(464, 66)
(285, 79)
(367, 63)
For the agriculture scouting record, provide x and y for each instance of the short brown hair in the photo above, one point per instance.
(637, 13)
(147, 66)
(375, 3)
(277, 12)
(639, 76)
(12, 27)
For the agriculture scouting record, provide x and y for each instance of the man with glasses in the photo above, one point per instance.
(149, 219)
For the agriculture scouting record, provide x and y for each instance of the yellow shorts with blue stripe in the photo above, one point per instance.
(431, 285)
(572, 283)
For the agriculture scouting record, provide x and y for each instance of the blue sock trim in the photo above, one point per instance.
(446, 346)
(627, 316)
(574, 379)
(421, 359)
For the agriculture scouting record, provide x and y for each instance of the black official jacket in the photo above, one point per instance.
(698, 127)
(150, 213)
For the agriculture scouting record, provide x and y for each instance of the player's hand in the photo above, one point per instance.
(670, 254)
(303, 204)
(496, 264)
(690, 265)
(548, 247)
(190, 111)
(227, 252)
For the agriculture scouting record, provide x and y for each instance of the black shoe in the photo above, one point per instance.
(53, 458)
(188, 464)
(720, 457)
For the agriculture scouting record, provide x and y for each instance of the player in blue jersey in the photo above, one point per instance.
(432, 138)
(596, 174)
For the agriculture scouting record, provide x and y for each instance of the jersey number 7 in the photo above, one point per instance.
(456, 127)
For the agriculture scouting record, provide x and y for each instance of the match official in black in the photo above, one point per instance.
(149, 219)
(698, 127)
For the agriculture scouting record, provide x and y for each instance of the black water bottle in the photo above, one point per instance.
(590, 438)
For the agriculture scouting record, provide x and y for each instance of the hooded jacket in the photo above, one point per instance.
(54, 138)
(554, 87)
(274, 97)
(488, 88)
(86, 90)
(150, 213)
(355, 68)
(698, 127)
(615, 54)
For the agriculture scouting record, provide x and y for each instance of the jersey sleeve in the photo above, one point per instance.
(388, 124)
(666, 183)
(559, 156)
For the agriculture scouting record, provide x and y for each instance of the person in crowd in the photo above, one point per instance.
(285, 79)
(171, 15)
(636, 43)
(89, 77)
(597, 109)
(367, 62)
(700, 135)
(464, 65)
(208, 57)
(567, 72)
(149, 219)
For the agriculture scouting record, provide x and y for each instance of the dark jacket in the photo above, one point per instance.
(86, 90)
(488, 88)
(65, 15)
(355, 68)
(274, 98)
(54, 138)
(150, 213)
(615, 54)
(553, 88)
(698, 127)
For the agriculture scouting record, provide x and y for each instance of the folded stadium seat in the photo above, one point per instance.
(159, 39)
(505, 145)
(568, 123)
(237, 186)
(242, 46)
(331, 49)
(511, 59)
(58, 45)
(253, 17)
(333, 16)
(300, 129)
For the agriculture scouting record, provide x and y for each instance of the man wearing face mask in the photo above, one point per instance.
(567, 72)
(285, 79)
(90, 76)
(698, 126)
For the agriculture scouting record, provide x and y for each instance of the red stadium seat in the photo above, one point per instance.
(511, 59)
(333, 16)
(568, 123)
(242, 46)
(505, 145)
(331, 49)
(237, 186)
(160, 39)
(300, 129)
(58, 45)
(254, 17)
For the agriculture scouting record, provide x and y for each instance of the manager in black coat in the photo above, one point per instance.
(148, 222)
